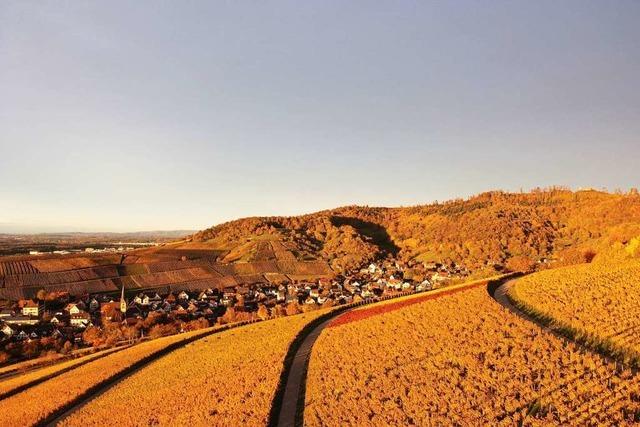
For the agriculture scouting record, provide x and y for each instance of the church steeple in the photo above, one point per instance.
(123, 302)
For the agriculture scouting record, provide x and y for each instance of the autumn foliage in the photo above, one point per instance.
(495, 228)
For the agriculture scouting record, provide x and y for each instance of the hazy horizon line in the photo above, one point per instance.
(14, 228)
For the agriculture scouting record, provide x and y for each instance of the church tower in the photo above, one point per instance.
(123, 302)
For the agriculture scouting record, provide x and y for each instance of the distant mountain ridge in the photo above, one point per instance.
(112, 234)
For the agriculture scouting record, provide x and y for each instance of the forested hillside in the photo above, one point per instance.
(494, 229)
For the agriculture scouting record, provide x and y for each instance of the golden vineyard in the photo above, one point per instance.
(226, 379)
(461, 360)
(598, 303)
(451, 356)
(230, 376)
(37, 400)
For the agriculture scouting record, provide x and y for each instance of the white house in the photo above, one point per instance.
(366, 293)
(440, 277)
(72, 308)
(6, 329)
(423, 286)
(30, 308)
(80, 320)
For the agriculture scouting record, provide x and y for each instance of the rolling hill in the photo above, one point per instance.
(490, 232)
(484, 231)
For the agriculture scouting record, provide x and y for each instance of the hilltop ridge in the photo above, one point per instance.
(491, 229)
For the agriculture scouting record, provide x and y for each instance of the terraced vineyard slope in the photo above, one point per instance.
(461, 359)
(173, 267)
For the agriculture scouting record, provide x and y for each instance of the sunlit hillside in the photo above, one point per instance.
(514, 230)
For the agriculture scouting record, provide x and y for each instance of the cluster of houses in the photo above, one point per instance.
(30, 319)
(108, 249)
(86, 250)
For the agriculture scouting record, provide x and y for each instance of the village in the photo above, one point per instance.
(90, 250)
(38, 326)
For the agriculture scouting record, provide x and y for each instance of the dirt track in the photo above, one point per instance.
(293, 399)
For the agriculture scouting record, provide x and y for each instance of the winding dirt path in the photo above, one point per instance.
(291, 411)
(500, 295)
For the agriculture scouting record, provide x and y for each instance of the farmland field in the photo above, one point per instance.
(225, 379)
(16, 267)
(460, 359)
(601, 300)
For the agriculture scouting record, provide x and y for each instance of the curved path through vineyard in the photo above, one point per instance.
(500, 295)
(291, 411)
(293, 398)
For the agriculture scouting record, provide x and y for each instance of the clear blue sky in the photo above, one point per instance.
(164, 115)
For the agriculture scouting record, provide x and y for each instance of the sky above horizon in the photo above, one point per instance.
(122, 116)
